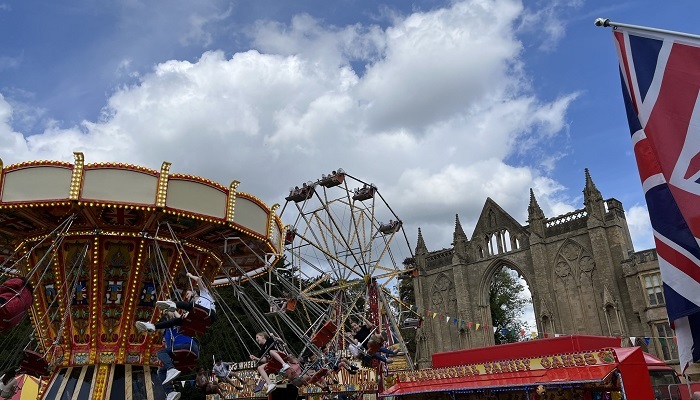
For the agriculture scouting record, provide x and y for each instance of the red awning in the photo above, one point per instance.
(568, 376)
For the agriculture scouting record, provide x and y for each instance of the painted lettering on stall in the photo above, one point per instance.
(577, 360)
(510, 366)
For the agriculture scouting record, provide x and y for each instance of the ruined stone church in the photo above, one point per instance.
(581, 268)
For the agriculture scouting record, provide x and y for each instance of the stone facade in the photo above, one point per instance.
(581, 269)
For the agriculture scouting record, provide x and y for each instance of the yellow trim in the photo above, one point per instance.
(231, 201)
(271, 225)
(1, 174)
(130, 306)
(76, 179)
(110, 381)
(162, 191)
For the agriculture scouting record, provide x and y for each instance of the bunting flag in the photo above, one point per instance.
(477, 327)
(647, 340)
(470, 324)
(434, 315)
(504, 331)
(660, 74)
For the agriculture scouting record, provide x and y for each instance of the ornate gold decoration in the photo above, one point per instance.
(162, 192)
(271, 224)
(76, 179)
(231, 203)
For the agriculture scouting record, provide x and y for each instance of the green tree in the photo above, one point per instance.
(407, 295)
(507, 306)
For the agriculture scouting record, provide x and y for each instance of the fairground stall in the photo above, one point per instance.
(568, 367)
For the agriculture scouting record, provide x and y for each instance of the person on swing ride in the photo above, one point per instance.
(362, 336)
(268, 354)
(15, 300)
(203, 300)
(223, 374)
(336, 363)
(172, 340)
(207, 386)
(316, 365)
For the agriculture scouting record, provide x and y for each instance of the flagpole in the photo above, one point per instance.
(605, 22)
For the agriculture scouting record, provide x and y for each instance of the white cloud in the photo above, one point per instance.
(200, 24)
(640, 227)
(548, 22)
(441, 105)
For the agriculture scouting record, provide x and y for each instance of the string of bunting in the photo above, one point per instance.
(461, 323)
(469, 325)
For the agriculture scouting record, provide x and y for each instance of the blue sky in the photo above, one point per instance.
(440, 103)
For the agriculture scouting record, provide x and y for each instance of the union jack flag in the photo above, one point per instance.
(120, 216)
(660, 75)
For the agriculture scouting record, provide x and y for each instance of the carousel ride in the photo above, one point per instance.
(101, 243)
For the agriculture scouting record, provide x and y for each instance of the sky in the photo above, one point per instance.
(441, 104)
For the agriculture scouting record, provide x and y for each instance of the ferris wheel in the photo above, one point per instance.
(348, 249)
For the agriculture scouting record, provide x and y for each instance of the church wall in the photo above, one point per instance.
(580, 267)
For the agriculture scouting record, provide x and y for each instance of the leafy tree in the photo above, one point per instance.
(12, 343)
(507, 306)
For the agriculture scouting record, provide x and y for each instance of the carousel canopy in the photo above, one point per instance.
(116, 199)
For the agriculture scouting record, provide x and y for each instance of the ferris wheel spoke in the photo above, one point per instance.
(338, 233)
(332, 257)
(335, 288)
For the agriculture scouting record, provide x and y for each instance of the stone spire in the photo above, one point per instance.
(459, 240)
(591, 192)
(535, 216)
(420, 247)
(533, 210)
(592, 199)
(459, 232)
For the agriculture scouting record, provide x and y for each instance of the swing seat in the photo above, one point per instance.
(320, 374)
(34, 364)
(196, 322)
(185, 360)
(15, 308)
(289, 236)
(324, 335)
(273, 366)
